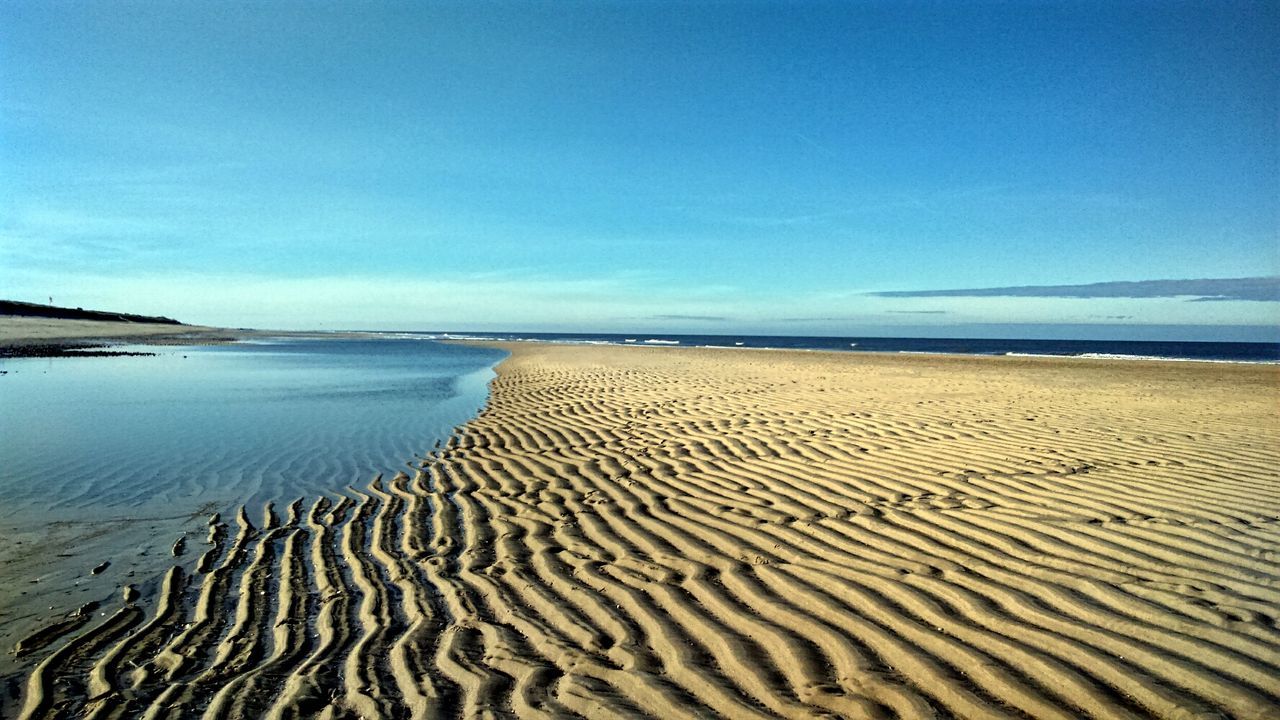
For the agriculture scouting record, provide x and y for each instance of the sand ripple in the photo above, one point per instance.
(630, 532)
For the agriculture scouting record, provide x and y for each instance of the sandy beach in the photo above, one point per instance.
(681, 533)
(21, 330)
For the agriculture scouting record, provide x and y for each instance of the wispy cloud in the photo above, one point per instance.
(917, 312)
(956, 203)
(699, 318)
(789, 220)
(1262, 289)
(433, 301)
(50, 223)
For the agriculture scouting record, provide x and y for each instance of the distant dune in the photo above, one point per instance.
(24, 309)
(29, 329)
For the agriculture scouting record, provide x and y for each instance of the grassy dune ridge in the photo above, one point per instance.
(25, 309)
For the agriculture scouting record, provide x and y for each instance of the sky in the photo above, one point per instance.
(852, 168)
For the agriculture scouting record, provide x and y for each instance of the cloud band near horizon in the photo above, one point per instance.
(1259, 289)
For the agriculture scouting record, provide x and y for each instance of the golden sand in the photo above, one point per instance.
(684, 533)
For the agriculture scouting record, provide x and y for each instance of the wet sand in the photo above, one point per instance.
(690, 533)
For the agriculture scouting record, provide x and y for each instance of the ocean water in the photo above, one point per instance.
(1112, 349)
(216, 426)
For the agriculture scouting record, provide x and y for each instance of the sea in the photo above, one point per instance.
(1244, 352)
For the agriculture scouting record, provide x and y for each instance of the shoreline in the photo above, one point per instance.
(29, 336)
(156, 445)
(706, 532)
(902, 353)
(36, 337)
(1183, 351)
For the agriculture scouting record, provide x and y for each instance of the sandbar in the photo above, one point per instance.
(686, 533)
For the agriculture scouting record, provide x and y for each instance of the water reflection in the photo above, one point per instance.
(222, 425)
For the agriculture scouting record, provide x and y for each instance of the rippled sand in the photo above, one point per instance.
(686, 533)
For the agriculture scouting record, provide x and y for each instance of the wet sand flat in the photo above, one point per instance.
(631, 532)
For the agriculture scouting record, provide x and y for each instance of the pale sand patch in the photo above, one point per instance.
(696, 533)
(16, 330)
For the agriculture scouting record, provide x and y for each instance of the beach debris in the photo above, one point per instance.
(44, 636)
(180, 546)
(129, 593)
(98, 570)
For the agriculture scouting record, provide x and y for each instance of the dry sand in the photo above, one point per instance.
(18, 330)
(693, 533)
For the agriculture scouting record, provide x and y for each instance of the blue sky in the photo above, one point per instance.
(798, 168)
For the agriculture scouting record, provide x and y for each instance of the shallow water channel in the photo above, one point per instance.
(111, 459)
